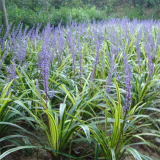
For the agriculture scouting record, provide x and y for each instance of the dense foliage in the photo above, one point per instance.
(30, 12)
(64, 15)
(95, 84)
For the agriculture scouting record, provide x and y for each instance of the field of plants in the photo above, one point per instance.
(85, 91)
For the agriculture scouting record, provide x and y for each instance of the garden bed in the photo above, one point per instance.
(86, 91)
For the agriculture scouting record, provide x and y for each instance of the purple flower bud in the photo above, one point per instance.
(51, 93)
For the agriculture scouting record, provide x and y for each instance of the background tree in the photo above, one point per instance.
(4, 14)
(134, 3)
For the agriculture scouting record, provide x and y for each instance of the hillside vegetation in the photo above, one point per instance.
(30, 12)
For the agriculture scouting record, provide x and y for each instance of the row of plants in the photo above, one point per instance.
(93, 84)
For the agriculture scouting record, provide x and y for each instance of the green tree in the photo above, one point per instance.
(4, 14)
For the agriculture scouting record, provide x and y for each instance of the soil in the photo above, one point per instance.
(21, 155)
(42, 155)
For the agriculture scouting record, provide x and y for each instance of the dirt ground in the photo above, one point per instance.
(151, 152)
(42, 155)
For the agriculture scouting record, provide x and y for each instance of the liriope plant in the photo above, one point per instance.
(10, 131)
(56, 126)
(114, 133)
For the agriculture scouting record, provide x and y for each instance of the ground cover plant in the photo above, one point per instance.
(91, 84)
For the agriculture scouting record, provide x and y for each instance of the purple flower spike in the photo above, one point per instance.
(138, 48)
(2, 41)
(80, 58)
(45, 73)
(128, 86)
(12, 72)
(73, 53)
(108, 83)
(96, 61)
(61, 46)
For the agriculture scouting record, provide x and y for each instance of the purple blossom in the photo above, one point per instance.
(51, 94)
(73, 53)
(127, 70)
(80, 57)
(44, 58)
(61, 46)
(138, 50)
(2, 41)
(108, 83)
(96, 57)
(69, 37)
(12, 72)
(45, 73)
(117, 75)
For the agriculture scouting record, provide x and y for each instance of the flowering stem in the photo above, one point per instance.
(74, 80)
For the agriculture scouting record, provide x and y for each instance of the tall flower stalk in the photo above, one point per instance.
(80, 59)
(127, 70)
(97, 44)
(73, 58)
